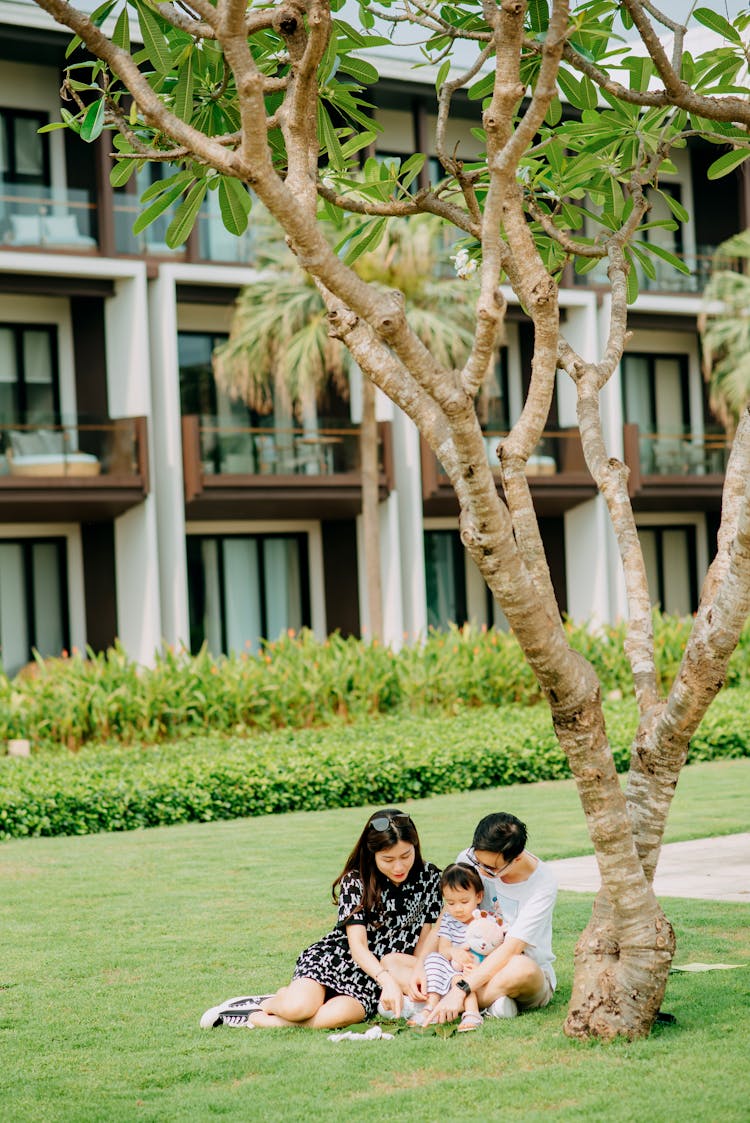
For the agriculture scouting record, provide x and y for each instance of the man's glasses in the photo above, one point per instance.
(383, 822)
(489, 871)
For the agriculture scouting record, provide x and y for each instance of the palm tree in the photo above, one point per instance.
(725, 328)
(279, 356)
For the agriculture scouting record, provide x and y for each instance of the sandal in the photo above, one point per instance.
(469, 1022)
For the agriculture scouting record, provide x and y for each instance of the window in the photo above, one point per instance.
(655, 397)
(29, 385)
(199, 394)
(445, 578)
(244, 588)
(24, 155)
(670, 556)
(33, 600)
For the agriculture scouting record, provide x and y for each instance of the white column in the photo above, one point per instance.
(408, 472)
(139, 619)
(167, 474)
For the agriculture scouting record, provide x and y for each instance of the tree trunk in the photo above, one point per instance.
(370, 509)
(621, 969)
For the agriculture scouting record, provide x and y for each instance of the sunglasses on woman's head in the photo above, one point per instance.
(383, 822)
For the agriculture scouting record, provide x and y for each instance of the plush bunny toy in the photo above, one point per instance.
(484, 933)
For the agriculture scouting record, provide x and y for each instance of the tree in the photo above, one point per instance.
(270, 97)
(279, 348)
(725, 329)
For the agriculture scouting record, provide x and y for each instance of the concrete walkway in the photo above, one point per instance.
(711, 869)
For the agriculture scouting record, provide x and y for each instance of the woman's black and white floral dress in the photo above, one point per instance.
(397, 925)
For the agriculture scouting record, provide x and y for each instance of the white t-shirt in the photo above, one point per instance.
(526, 907)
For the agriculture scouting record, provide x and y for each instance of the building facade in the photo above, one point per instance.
(139, 503)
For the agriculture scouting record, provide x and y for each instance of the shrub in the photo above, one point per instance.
(345, 765)
(298, 682)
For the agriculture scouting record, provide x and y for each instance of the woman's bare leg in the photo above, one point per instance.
(291, 1005)
(303, 1003)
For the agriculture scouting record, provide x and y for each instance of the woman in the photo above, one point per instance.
(388, 898)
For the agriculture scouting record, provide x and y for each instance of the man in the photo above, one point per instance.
(519, 887)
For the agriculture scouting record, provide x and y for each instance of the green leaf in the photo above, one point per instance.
(328, 139)
(674, 205)
(93, 121)
(183, 91)
(121, 172)
(482, 88)
(411, 168)
(665, 255)
(145, 218)
(717, 23)
(154, 39)
(554, 112)
(186, 215)
(538, 11)
(570, 88)
(234, 204)
(442, 74)
(363, 71)
(728, 162)
(161, 185)
(632, 283)
(121, 33)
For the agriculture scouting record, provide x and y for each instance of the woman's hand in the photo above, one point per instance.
(417, 985)
(391, 997)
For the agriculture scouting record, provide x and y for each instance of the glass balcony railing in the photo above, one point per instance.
(152, 240)
(215, 243)
(558, 451)
(701, 265)
(683, 453)
(35, 217)
(76, 449)
(237, 450)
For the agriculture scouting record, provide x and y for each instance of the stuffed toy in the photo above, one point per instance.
(483, 934)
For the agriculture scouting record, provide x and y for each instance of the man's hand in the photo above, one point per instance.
(448, 1008)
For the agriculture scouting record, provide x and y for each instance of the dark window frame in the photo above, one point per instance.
(21, 396)
(10, 114)
(691, 534)
(194, 560)
(27, 545)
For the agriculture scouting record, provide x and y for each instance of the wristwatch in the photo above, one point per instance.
(463, 985)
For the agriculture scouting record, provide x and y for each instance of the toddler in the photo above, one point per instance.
(462, 891)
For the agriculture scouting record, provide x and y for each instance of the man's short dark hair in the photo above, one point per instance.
(500, 833)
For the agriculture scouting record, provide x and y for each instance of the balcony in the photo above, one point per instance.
(72, 472)
(44, 218)
(241, 472)
(210, 240)
(557, 475)
(667, 280)
(678, 469)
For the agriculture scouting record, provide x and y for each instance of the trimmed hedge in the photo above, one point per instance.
(299, 682)
(381, 761)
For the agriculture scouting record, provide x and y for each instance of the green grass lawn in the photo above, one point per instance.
(113, 944)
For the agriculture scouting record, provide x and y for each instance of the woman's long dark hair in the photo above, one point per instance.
(362, 858)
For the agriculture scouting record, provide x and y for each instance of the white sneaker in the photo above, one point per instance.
(502, 1007)
(233, 1012)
